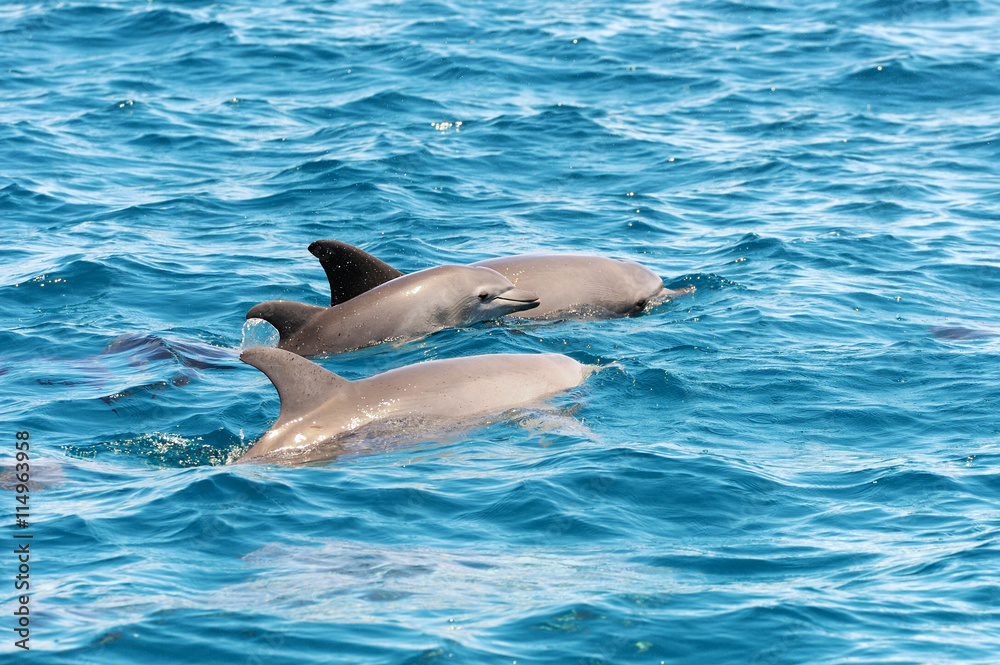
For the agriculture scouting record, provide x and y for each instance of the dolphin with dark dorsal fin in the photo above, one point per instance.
(403, 308)
(320, 410)
(566, 284)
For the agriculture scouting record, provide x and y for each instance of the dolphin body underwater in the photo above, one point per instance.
(321, 411)
(566, 284)
(402, 308)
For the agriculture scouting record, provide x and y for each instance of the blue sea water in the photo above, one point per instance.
(799, 463)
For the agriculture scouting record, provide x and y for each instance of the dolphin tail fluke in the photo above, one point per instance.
(351, 271)
(302, 385)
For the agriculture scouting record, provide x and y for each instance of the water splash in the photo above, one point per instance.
(258, 332)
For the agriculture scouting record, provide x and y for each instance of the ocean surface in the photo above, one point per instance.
(798, 463)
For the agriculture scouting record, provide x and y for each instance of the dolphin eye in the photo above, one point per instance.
(641, 305)
(483, 295)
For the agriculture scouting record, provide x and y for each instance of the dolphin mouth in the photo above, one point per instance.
(519, 299)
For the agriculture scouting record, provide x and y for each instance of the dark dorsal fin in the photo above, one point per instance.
(302, 384)
(351, 271)
(287, 316)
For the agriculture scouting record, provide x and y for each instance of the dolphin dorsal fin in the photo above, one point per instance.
(287, 316)
(351, 271)
(302, 384)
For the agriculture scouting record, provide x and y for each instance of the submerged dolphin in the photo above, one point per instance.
(403, 308)
(320, 410)
(963, 333)
(565, 283)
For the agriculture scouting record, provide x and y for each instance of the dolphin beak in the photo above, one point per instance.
(519, 299)
(666, 295)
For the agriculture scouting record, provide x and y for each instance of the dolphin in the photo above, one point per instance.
(566, 284)
(961, 333)
(321, 411)
(402, 308)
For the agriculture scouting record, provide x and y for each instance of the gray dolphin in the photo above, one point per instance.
(402, 308)
(320, 410)
(566, 284)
